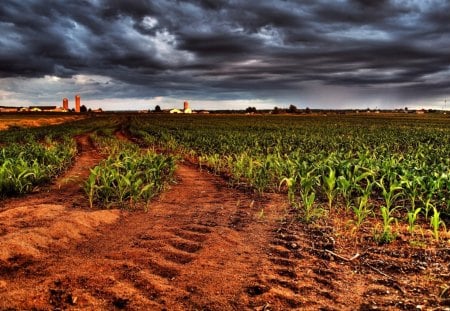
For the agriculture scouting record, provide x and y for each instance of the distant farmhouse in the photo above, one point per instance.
(32, 109)
(43, 108)
(9, 109)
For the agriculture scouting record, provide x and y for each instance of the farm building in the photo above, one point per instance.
(8, 109)
(186, 109)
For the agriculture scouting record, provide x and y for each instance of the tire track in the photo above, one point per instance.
(296, 278)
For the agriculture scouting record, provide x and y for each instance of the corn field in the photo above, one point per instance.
(393, 169)
(31, 157)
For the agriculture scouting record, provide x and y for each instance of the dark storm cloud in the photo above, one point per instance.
(230, 48)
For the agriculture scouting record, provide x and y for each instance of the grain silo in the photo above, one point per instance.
(77, 103)
(65, 104)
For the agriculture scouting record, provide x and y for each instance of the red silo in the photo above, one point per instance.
(65, 104)
(186, 105)
(77, 103)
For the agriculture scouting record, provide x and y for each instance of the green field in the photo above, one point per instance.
(392, 171)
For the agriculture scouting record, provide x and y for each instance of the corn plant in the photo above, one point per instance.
(411, 185)
(290, 182)
(386, 235)
(436, 222)
(426, 200)
(344, 186)
(308, 195)
(390, 193)
(412, 219)
(362, 207)
(329, 185)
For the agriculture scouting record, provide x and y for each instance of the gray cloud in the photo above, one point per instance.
(231, 49)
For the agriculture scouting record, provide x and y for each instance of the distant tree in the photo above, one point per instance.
(157, 108)
(292, 109)
(276, 110)
(250, 110)
(83, 108)
(307, 110)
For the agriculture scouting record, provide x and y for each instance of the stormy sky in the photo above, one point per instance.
(226, 54)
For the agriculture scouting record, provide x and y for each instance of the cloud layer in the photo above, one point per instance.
(317, 53)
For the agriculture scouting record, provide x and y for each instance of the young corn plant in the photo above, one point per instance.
(23, 166)
(290, 182)
(411, 186)
(426, 200)
(436, 222)
(344, 186)
(329, 185)
(310, 212)
(363, 208)
(91, 185)
(386, 235)
(308, 195)
(412, 219)
(390, 193)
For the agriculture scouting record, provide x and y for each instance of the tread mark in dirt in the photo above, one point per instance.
(279, 252)
(209, 223)
(197, 233)
(283, 262)
(162, 270)
(187, 235)
(256, 290)
(289, 270)
(186, 246)
(177, 257)
(286, 284)
(197, 229)
(323, 281)
(286, 273)
(140, 282)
